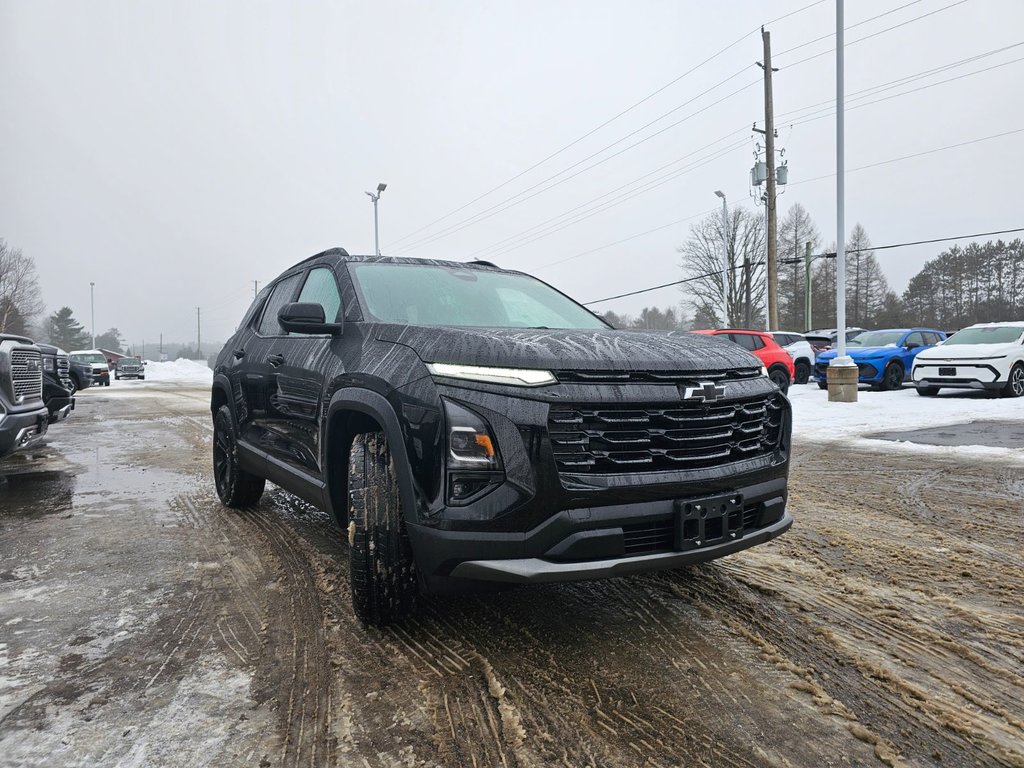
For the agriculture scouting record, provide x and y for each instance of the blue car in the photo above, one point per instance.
(885, 358)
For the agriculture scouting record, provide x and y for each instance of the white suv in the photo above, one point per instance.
(800, 350)
(983, 356)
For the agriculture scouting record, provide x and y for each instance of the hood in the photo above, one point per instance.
(581, 350)
(967, 351)
(861, 353)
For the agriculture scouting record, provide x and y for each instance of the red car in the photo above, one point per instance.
(776, 360)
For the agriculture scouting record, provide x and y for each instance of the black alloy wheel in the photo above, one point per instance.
(803, 372)
(235, 487)
(780, 379)
(892, 378)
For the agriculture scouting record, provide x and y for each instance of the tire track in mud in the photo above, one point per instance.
(906, 618)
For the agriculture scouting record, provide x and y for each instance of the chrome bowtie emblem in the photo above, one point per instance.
(706, 391)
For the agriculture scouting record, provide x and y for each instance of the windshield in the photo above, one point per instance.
(999, 334)
(876, 339)
(129, 361)
(86, 357)
(428, 294)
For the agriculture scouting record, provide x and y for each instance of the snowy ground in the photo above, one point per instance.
(817, 420)
(180, 370)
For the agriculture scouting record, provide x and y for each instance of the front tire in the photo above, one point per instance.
(235, 487)
(803, 372)
(780, 378)
(383, 573)
(73, 385)
(1015, 382)
(822, 385)
(892, 377)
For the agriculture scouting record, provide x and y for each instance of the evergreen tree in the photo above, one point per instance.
(110, 340)
(796, 230)
(64, 331)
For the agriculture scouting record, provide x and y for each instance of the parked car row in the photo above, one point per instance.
(985, 356)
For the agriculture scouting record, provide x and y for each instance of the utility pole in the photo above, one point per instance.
(161, 343)
(199, 335)
(807, 288)
(255, 289)
(769, 138)
(376, 235)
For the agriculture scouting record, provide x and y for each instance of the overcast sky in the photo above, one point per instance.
(175, 152)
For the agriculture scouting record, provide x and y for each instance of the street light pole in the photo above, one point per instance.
(376, 234)
(725, 258)
(92, 313)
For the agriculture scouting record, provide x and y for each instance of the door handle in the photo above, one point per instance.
(276, 360)
(239, 354)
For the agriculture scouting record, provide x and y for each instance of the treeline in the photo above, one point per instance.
(982, 282)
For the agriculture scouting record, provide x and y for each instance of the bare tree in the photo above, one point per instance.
(20, 298)
(702, 261)
(796, 230)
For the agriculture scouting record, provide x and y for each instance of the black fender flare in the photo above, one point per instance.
(377, 407)
(221, 382)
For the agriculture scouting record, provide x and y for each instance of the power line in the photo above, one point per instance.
(512, 201)
(607, 122)
(821, 255)
(675, 282)
(847, 29)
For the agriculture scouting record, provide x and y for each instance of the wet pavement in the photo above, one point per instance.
(144, 624)
(991, 434)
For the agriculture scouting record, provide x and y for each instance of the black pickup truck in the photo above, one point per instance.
(57, 387)
(24, 417)
(468, 424)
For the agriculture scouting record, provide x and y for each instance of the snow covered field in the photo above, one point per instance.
(817, 420)
(180, 370)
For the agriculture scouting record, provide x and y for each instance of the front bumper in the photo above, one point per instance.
(597, 542)
(867, 373)
(966, 375)
(60, 408)
(20, 430)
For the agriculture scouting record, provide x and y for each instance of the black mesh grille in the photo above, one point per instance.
(652, 438)
(659, 535)
(656, 377)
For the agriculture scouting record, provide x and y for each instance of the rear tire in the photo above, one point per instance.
(235, 487)
(1015, 382)
(803, 372)
(780, 378)
(383, 573)
(892, 377)
(928, 391)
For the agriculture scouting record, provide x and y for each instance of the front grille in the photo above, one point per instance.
(821, 370)
(654, 377)
(659, 535)
(866, 370)
(27, 374)
(618, 438)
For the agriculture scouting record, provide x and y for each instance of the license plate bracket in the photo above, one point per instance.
(947, 371)
(708, 521)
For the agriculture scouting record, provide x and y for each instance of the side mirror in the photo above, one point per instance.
(306, 318)
(911, 345)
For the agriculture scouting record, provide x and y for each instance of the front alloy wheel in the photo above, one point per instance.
(892, 378)
(235, 487)
(1015, 382)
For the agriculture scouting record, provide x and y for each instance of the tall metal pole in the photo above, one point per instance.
(840, 192)
(92, 313)
(808, 315)
(376, 233)
(199, 334)
(725, 259)
(769, 140)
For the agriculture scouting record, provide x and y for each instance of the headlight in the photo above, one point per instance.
(49, 364)
(764, 371)
(517, 377)
(470, 442)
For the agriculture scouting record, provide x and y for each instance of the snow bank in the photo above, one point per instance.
(817, 420)
(180, 370)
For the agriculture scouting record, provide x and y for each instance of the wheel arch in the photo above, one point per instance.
(220, 395)
(354, 411)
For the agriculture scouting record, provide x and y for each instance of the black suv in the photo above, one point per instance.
(57, 386)
(469, 424)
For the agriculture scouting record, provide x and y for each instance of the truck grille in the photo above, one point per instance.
(27, 374)
(659, 535)
(651, 438)
(63, 370)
